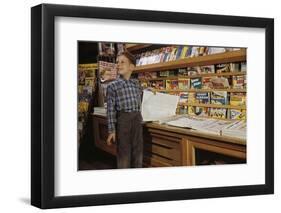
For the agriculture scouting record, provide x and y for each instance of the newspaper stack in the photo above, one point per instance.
(229, 128)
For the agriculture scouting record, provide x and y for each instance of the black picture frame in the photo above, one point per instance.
(43, 102)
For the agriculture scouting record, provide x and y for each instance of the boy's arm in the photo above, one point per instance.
(111, 111)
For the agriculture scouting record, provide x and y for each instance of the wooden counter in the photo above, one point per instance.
(173, 146)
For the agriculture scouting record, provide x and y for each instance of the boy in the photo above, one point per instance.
(124, 116)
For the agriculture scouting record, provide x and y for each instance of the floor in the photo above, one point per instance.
(96, 160)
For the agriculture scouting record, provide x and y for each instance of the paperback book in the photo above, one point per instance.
(207, 69)
(216, 50)
(220, 83)
(195, 83)
(191, 97)
(193, 71)
(239, 82)
(235, 67)
(147, 75)
(203, 97)
(183, 84)
(167, 73)
(172, 84)
(207, 83)
(237, 99)
(157, 84)
(183, 97)
(243, 67)
(218, 113)
(198, 111)
(222, 68)
(182, 72)
(219, 97)
(237, 114)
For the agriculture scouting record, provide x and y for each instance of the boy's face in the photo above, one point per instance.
(124, 66)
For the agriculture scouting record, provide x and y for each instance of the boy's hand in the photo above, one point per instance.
(111, 137)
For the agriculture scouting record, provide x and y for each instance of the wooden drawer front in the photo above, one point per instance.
(161, 151)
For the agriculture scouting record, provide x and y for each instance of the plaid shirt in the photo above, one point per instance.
(122, 95)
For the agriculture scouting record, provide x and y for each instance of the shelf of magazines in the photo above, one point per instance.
(215, 111)
(236, 73)
(218, 58)
(213, 105)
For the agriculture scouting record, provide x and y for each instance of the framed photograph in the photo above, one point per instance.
(139, 106)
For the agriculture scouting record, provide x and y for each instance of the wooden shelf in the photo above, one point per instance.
(212, 105)
(195, 76)
(134, 47)
(227, 57)
(200, 90)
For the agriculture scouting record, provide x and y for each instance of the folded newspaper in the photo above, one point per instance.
(156, 106)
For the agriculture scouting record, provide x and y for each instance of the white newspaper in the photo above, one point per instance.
(156, 106)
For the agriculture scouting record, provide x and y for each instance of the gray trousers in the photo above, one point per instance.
(129, 140)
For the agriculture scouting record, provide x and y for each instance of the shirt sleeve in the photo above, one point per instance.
(141, 88)
(111, 111)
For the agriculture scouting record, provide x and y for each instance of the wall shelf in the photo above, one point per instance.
(227, 57)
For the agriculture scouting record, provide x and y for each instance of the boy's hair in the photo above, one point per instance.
(129, 56)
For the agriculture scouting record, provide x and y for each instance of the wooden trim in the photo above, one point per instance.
(184, 153)
(227, 57)
(192, 154)
(177, 132)
(216, 149)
